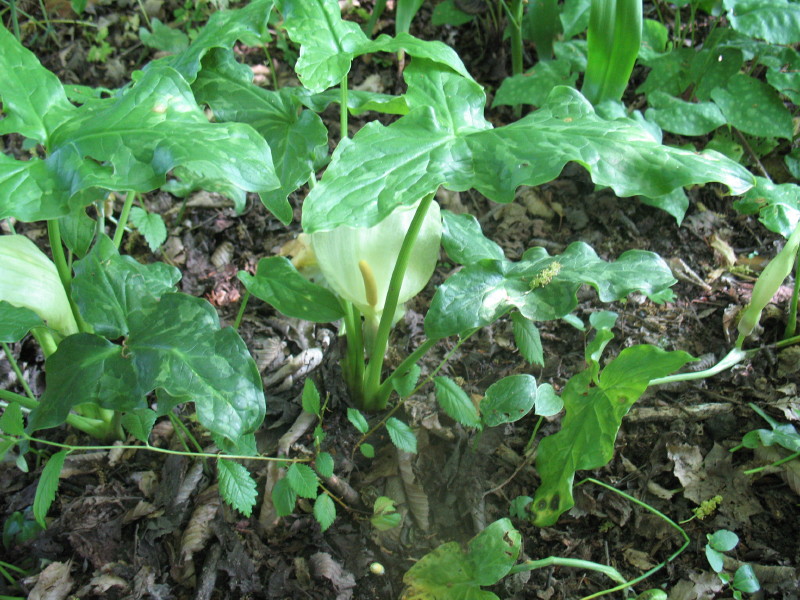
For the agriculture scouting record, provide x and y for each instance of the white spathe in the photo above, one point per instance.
(338, 253)
(29, 279)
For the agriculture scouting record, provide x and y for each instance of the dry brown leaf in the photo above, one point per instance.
(789, 471)
(638, 559)
(198, 530)
(53, 583)
(417, 500)
(323, 566)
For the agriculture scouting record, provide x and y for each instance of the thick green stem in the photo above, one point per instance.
(273, 72)
(791, 322)
(354, 363)
(89, 426)
(556, 561)
(17, 371)
(44, 337)
(242, 306)
(123, 218)
(64, 272)
(385, 388)
(515, 21)
(373, 374)
(343, 108)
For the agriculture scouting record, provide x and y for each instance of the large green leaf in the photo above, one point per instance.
(777, 21)
(593, 416)
(298, 139)
(108, 287)
(223, 29)
(681, 117)
(278, 283)
(33, 99)
(87, 369)
(329, 43)
(777, 205)
(534, 86)
(754, 107)
(452, 573)
(464, 241)
(178, 346)
(541, 287)
(16, 322)
(445, 140)
(31, 190)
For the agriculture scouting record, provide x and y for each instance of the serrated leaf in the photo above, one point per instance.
(401, 435)
(455, 402)
(310, 398)
(593, 416)
(329, 43)
(367, 450)
(108, 287)
(405, 383)
(5, 446)
(11, 422)
(298, 139)
(324, 511)
(150, 225)
(723, 540)
(303, 480)
(236, 486)
(34, 102)
(357, 420)
(464, 241)
(47, 486)
(139, 423)
(481, 293)
(753, 107)
(278, 283)
(16, 322)
(384, 514)
(445, 140)
(527, 339)
(508, 400)
(324, 464)
(283, 498)
(776, 21)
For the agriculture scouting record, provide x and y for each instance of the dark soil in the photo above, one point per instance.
(135, 525)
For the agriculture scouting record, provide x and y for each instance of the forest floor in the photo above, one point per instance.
(136, 525)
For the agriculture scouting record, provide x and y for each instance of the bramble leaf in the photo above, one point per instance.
(527, 339)
(283, 498)
(357, 420)
(303, 480)
(11, 422)
(150, 225)
(455, 402)
(236, 486)
(401, 435)
(324, 511)
(47, 486)
(310, 398)
(324, 464)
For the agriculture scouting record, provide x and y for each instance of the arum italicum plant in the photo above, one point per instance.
(373, 272)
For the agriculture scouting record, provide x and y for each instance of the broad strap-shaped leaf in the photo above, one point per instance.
(541, 287)
(224, 28)
(178, 346)
(444, 140)
(280, 284)
(298, 139)
(328, 43)
(777, 205)
(777, 21)
(451, 571)
(593, 416)
(109, 287)
(87, 369)
(16, 322)
(33, 99)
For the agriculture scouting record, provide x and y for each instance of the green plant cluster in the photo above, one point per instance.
(123, 347)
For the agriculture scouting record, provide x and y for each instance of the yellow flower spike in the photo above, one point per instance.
(370, 288)
(29, 279)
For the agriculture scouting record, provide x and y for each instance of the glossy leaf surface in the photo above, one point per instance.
(508, 400)
(16, 322)
(481, 293)
(777, 21)
(594, 414)
(445, 140)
